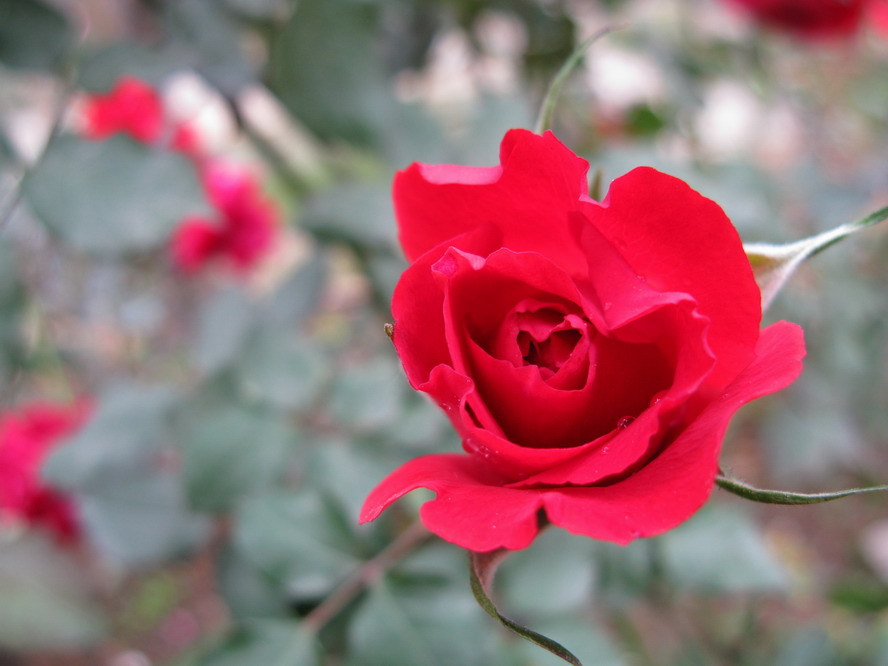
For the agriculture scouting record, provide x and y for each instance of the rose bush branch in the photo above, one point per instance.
(750, 492)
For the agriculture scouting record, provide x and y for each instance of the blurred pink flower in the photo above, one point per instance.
(27, 436)
(243, 230)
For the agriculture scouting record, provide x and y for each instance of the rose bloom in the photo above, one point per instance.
(134, 107)
(811, 19)
(27, 436)
(589, 354)
(242, 233)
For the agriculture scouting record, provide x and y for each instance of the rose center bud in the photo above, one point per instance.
(548, 354)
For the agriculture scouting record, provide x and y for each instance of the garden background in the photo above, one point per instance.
(234, 412)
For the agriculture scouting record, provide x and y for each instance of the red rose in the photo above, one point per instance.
(244, 231)
(589, 354)
(811, 19)
(27, 436)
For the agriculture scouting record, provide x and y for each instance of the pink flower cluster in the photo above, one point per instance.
(27, 436)
(242, 230)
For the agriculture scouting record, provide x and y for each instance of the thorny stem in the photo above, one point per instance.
(364, 577)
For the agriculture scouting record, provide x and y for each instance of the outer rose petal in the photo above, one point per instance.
(538, 176)
(474, 511)
(683, 242)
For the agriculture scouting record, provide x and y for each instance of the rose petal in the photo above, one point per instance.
(673, 486)
(681, 241)
(538, 177)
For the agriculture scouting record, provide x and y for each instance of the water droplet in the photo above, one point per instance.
(605, 449)
(625, 422)
(608, 305)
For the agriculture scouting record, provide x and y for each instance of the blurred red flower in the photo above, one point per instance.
(810, 19)
(27, 436)
(242, 232)
(135, 108)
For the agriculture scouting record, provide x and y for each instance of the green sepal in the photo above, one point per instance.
(482, 568)
(773, 264)
(746, 491)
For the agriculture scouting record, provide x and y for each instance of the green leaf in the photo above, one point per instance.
(224, 326)
(482, 567)
(719, 550)
(265, 643)
(369, 396)
(774, 264)
(33, 35)
(132, 506)
(102, 196)
(247, 593)
(298, 539)
(45, 603)
(421, 614)
(547, 108)
(361, 214)
(230, 452)
(746, 491)
(284, 369)
(347, 98)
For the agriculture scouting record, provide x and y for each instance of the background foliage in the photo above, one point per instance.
(240, 420)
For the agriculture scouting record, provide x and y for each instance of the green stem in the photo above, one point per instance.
(746, 491)
(547, 108)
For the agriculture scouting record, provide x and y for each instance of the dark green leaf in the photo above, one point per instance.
(482, 567)
(225, 323)
(719, 550)
(102, 196)
(421, 614)
(231, 452)
(298, 539)
(265, 643)
(325, 68)
(282, 368)
(746, 491)
(33, 35)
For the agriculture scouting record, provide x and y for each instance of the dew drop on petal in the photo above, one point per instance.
(625, 422)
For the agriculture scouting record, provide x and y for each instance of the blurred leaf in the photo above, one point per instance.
(809, 647)
(746, 491)
(260, 9)
(132, 500)
(44, 601)
(128, 427)
(361, 214)
(300, 293)
(102, 69)
(265, 643)
(225, 323)
(722, 550)
(112, 196)
(346, 98)
(774, 264)
(232, 452)
(33, 35)
(298, 539)
(482, 568)
(369, 396)
(140, 517)
(554, 575)
(247, 593)
(212, 38)
(282, 368)
(421, 614)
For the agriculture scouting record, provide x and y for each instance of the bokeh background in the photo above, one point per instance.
(229, 419)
